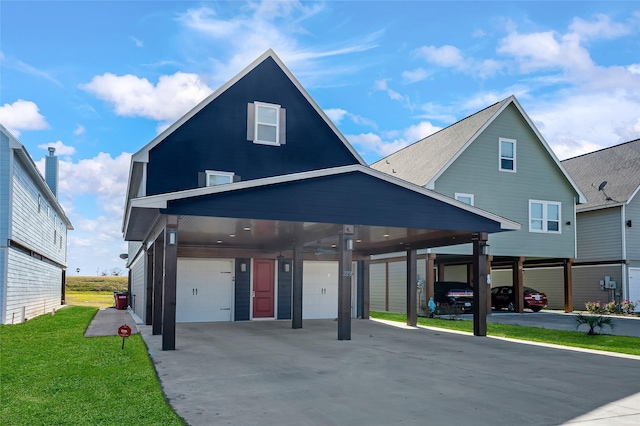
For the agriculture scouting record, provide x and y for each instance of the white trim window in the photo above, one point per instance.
(266, 124)
(507, 160)
(464, 198)
(214, 177)
(545, 216)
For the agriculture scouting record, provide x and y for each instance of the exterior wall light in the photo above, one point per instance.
(243, 267)
(172, 237)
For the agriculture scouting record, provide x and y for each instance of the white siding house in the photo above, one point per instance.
(33, 237)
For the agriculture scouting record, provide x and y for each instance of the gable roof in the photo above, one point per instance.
(618, 166)
(445, 146)
(36, 177)
(143, 154)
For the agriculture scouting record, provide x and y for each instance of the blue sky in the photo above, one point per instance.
(98, 80)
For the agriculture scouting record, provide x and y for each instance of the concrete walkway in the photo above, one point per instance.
(269, 374)
(107, 321)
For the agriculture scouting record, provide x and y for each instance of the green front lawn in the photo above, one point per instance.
(51, 374)
(580, 339)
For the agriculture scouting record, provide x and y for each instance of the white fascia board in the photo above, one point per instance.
(143, 154)
(633, 195)
(601, 207)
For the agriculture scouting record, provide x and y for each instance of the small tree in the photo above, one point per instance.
(116, 272)
(593, 321)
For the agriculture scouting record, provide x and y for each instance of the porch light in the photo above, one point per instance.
(172, 237)
(286, 266)
(243, 267)
(485, 249)
(348, 244)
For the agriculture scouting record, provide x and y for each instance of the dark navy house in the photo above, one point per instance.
(254, 206)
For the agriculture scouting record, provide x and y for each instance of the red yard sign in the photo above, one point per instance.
(124, 331)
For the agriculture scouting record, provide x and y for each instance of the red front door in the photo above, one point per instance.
(263, 271)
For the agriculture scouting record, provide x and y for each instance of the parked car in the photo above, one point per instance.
(452, 294)
(503, 297)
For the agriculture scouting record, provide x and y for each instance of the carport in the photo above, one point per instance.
(345, 213)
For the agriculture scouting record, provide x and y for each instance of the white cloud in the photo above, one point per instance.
(393, 141)
(448, 56)
(600, 28)
(383, 86)
(61, 149)
(268, 25)
(336, 114)
(138, 43)
(172, 97)
(416, 75)
(79, 130)
(22, 115)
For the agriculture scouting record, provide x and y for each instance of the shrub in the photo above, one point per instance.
(593, 307)
(593, 321)
(610, 307)
(627, 306)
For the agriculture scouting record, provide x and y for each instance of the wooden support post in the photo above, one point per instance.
(430, 280)
(412, 280)
(489, 259)
(518, 284)
(345, 274)
(366, 281)
(158, 272)
(480, 288)
(296, 310)
(170, 284)
(148, 308)
(568, 285)
(440, 272)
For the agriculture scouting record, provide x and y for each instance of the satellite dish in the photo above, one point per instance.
(602, 185)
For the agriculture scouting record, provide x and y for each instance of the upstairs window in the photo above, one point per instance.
(214, 178)
(544, 216)
(507, 161)
(266, 124)
(465, 198)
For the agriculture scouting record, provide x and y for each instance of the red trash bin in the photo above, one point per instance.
(121, 299)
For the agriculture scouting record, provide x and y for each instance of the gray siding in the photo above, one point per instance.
(5, 196)
(377, 287)
(537, 177)
(632, 234)
(138, 286)
(32, 226)
(398, 287)
(600, 235)
(32, 285)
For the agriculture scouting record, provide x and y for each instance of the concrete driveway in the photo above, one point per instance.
(266, 373)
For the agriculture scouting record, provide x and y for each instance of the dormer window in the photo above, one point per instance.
(214, 178)
(266, 123)
(507, 160)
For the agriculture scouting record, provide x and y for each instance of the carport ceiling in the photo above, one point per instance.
(270, 235)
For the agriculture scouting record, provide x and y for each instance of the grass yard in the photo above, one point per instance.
(97, 299)
(580, 339)
(51, 374)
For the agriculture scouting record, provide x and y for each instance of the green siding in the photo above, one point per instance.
(600, 235)
(507, 194)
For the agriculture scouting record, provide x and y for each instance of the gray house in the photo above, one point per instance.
(607, 266)
(33, 234)
(497, 160)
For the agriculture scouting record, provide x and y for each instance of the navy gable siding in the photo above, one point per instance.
(216, 137)
(350, 198)
(242, 292)
(284, 289)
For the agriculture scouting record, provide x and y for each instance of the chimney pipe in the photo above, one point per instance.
(51, 171)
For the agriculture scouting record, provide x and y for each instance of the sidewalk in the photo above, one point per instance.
(107, 321)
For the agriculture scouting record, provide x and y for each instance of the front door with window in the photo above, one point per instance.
(263, 288)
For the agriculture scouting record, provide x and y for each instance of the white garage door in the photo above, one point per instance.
(320, 290)
(204, 290)
(634, 286)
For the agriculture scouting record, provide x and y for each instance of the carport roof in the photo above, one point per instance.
(270, 213)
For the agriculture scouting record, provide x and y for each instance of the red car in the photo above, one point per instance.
(503, 297)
